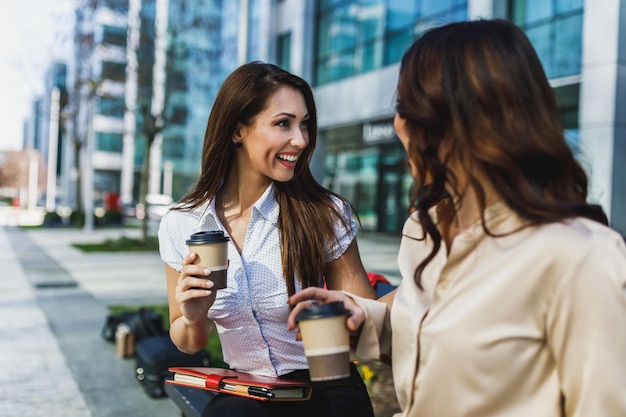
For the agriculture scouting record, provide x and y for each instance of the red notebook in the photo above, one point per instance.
(260, 388)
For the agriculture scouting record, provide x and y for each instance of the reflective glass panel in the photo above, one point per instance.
(555, 29)
(433, 7)
(363, 35)
(400, 14)
(563, 6)
(538, 10)
(540, 37)
(568, 46)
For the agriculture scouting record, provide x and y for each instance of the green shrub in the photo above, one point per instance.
(112, 218)
(52, 218)
(121, 244)
(77, 218)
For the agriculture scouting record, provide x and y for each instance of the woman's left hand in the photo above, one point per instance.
(308, 296)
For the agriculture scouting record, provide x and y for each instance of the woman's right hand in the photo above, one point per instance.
(314, 295)
(193, 291)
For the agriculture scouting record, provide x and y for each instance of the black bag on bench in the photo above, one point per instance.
(153, 358)
(142, 323)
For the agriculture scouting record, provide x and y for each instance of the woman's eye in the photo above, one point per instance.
(304, 123)
(283, 123)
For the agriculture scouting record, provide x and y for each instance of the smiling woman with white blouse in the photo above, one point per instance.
(286, 232)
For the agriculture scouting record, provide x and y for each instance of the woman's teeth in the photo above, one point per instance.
(290, 158)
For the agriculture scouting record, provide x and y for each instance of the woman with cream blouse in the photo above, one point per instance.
(513, 299)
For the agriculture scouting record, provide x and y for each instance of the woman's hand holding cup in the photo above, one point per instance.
(194, 293)
(309, 296)
(325, 331)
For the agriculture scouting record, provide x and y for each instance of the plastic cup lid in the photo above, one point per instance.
(321, 311)
(209, 236)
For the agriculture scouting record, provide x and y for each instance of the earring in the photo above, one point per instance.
(238, 145)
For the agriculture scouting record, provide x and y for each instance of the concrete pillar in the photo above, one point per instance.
(130, 103)
(480, 9)
(603, 85)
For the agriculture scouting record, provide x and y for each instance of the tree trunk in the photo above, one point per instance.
(79, 192)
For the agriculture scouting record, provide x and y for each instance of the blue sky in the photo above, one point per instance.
(32, 34)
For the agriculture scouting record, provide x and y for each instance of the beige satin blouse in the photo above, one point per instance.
(530, 325)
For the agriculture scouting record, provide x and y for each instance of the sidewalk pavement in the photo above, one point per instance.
(53, 303)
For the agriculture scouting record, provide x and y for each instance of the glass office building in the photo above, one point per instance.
(354, 37)
(197, 43)
(555, 29)
(349, 51)
(358, 45)
(141, 56)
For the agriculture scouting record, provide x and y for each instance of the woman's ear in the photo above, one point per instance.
(237, 137)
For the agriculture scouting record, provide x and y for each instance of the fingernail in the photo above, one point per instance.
(206, 271)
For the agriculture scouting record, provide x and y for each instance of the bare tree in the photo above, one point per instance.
(161, 35)
(159, 75)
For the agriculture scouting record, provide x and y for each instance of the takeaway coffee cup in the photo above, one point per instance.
(212, 250)
(326, 340)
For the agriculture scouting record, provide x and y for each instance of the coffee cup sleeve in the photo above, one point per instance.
(374, 340)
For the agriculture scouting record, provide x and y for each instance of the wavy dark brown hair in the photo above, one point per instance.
(307, 212)
(477, 90)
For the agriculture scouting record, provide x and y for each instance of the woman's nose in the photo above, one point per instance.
(300, 138)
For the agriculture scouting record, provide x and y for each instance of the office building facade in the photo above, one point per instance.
(145, 71)
(349, 51)
(356, 47)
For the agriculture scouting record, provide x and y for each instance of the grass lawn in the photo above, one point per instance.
(123, 244)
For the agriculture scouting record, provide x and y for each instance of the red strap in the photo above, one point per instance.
(213, 381)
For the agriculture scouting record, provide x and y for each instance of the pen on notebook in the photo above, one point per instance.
(244, 389)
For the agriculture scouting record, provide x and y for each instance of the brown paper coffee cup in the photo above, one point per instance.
(212, 250)
(326, 341)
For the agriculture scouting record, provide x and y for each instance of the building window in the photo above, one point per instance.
(140, 151)
(568, 101)
(174, 147)
(555, 29)
(283, 51)
(354, 37)
(114, 35)
(177, 80)
(178, 115)
(115, 71)
(253, 30)
(109, 142)
(111, 106)
(120, 6)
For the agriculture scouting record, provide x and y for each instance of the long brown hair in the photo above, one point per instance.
(478, 91)
(308, 215)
